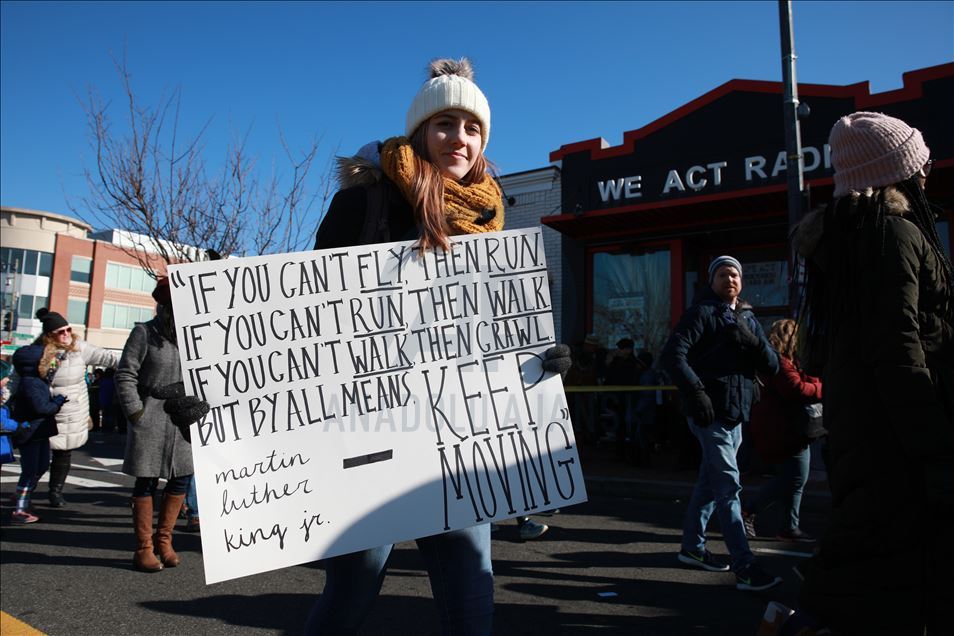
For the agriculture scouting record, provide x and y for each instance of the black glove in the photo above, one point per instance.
(742, 335)
(700, 407)
(557, 359)
(183, 409)
(60, 399)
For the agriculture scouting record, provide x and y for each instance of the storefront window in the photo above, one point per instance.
(631, 298)
(765, 284)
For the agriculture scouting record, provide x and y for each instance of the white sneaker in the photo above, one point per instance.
(531, 529)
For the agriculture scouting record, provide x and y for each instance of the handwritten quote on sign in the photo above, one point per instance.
(370, 395)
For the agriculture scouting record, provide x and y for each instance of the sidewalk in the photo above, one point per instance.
(666, 478)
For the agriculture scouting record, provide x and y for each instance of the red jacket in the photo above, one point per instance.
(775, 439)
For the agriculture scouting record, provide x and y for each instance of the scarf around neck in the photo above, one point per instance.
(468, 209)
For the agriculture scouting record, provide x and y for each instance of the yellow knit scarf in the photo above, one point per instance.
(469, 209)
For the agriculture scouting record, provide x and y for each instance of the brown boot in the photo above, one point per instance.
(144, 559)
(168, 514)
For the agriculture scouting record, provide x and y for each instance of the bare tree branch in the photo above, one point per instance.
(151, 182)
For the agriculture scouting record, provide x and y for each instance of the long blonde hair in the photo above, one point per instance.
(782, 337)
(428, 188)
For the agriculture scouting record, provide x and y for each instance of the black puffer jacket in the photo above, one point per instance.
(889, 387)
(701, 351)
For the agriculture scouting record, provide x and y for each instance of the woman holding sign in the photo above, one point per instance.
(427, 186)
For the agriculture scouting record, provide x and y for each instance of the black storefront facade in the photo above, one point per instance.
(641, 221)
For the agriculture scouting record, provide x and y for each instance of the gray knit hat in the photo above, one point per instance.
(872, 150)
(720, 261)
(451, 87)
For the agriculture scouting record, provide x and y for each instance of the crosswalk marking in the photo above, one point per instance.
(108, 461)
(82, 482)
(12, 474)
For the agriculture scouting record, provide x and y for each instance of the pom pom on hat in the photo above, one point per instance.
(451, 87)
(722, 261)
(51, 320)
(873, 150)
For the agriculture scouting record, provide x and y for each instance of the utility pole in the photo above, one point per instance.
(794, 164)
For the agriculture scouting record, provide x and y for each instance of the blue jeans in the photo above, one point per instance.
(717, 488)
(786, 489)
(462, 582)
(192, 500)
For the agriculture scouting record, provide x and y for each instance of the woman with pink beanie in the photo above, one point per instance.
(877, 320)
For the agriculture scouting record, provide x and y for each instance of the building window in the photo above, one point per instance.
(129, 278)
(76, 311)
(124, 316)
(28, 305)
(30, 262)
(46, 264)
(631, 298)
(81, 270)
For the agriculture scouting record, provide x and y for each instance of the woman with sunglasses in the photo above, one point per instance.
(69, 356)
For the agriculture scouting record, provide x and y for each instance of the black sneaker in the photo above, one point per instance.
(703, 560)
(795, 536)
(753, 578)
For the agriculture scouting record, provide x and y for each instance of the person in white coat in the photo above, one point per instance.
(67, 357)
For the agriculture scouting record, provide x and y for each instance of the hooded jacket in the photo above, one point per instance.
(369, 208)
(33, 403)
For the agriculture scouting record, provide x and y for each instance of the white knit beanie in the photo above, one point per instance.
(451, 87)
(872, 150)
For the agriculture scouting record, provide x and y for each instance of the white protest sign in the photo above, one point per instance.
(370, 395)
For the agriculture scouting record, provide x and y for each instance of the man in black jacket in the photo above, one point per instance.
(713, 356)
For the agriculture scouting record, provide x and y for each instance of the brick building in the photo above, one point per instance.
(52, 260)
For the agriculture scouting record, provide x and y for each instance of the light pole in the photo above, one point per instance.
(791, 109)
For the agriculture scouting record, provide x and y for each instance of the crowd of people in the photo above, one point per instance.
(874, 342)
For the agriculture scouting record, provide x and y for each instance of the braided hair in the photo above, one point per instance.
(828, 298)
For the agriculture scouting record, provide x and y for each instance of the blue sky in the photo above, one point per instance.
(554, 73)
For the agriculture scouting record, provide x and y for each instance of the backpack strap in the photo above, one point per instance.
(376, 228)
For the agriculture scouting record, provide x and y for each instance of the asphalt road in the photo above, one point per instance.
(607, 566)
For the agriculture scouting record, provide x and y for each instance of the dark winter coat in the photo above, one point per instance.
(889, 386)
(700, 351)
(776, 437)
(348, 222)
(155, 447)
(33, 402)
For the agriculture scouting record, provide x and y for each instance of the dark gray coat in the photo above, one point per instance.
(154, 445)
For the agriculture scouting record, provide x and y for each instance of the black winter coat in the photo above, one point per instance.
(33, 403)
(889, 391)
(348, 222)
(700, 351)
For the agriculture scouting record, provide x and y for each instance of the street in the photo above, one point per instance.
(607, 566)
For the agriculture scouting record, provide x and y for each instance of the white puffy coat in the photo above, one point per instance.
(72, 421)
